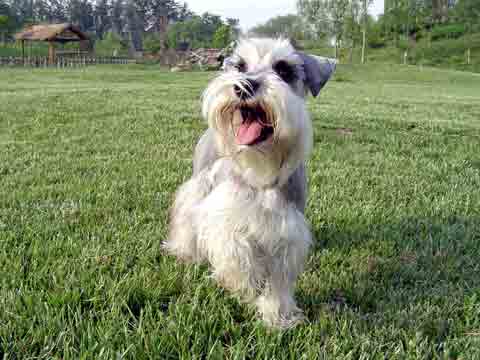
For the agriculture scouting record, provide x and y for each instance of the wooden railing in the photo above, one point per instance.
(62, 62)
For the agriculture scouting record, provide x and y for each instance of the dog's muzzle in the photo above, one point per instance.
(254, 124)
(248, 91)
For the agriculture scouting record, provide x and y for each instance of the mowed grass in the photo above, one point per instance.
(89, 162)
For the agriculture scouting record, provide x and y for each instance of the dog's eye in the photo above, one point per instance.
(240, 67)
(285, 71)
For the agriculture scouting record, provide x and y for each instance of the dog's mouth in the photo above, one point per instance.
(256, 125)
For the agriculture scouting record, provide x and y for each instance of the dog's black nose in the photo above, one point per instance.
(249, 90)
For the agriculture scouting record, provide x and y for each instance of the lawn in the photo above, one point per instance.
(90, 159)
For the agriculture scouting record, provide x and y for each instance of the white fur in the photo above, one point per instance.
(254, 240)
(233, 214)
(294, 130)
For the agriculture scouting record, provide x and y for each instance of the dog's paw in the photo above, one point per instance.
(182, 253)
(276, 316)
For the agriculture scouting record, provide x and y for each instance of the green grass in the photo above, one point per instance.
(90, 159)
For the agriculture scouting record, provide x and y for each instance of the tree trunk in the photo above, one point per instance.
(364, 31)
(352, 49)
(162, 31)
(51, 53)
(364, 43)
(467, 43)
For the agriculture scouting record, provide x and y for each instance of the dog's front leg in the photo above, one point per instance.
(277, 304)
(182, 237)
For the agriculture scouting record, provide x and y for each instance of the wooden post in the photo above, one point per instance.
(23, 51)
(51, 53)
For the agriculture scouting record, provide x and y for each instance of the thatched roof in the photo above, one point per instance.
(52, 32)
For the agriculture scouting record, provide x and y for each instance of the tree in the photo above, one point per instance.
(101, 18)
(326, 16)
(183, 13)
(159, 13)
(222, 37)
(134, 26)
(287, 26)
(4, 20)
(51, 11)
(7, 21)
(315, 16)
(353, 26)
(439, 10)
(234, 25)
(366, 4)
(118, 21)
(80, 13)
(195, 32)
(468, 11)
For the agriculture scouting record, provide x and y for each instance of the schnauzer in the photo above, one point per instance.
(243, 209)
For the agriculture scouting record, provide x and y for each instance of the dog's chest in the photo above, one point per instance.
(239, 213)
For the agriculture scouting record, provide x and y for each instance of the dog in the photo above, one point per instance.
(243, 209)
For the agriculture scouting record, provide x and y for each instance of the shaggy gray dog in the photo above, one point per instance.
(242, 210)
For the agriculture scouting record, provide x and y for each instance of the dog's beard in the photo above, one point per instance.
(267, 135)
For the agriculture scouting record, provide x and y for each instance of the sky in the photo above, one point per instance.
(254, 12)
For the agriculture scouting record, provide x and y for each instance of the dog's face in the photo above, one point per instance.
(257, 108)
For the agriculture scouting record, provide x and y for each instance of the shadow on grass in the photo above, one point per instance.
(417, 273)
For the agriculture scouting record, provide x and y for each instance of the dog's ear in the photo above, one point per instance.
(318, 71)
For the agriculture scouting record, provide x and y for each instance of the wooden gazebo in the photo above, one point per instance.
(53, 34)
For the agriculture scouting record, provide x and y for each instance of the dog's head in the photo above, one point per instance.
(257, 108)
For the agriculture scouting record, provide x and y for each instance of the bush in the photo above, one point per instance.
(403, 44)
(452, 31)
(376, 42)
(222, 37)
(110, 45)
(313, 44)
(151, 44)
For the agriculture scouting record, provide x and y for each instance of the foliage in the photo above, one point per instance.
(110, 45)
(8, 21)
(222, 37)
(451, 31)
(327, 17)
(151, 44)
(234, 25)
(197, 32)
(128, 19)
(446, 53)
(287, 26)
(468, 12)
(375, 34)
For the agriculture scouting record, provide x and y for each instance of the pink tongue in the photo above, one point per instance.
(248, 132)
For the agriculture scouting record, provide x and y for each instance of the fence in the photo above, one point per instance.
(62, 62)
